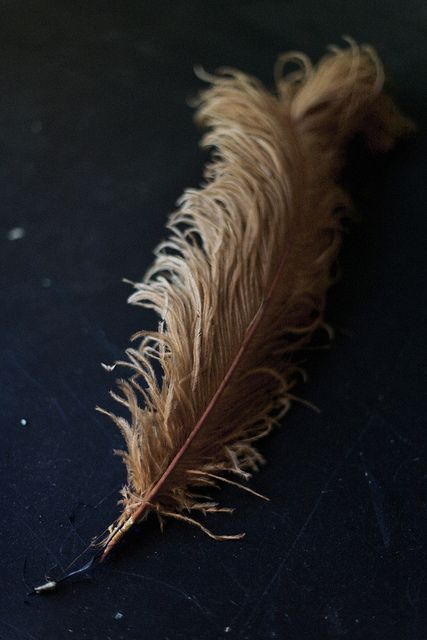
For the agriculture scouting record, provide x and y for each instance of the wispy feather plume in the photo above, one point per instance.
(240, 283)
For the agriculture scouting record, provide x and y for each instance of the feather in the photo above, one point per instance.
(240, 283)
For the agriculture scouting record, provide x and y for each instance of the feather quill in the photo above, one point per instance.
(240, 283)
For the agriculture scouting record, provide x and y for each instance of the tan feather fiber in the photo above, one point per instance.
(240, 283)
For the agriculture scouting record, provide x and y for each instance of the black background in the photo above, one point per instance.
(96, 144)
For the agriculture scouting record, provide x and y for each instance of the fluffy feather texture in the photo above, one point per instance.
(240, 283)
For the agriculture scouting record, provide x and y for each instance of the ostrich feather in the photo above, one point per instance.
(240, 283)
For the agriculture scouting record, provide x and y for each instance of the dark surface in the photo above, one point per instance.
(96, 144)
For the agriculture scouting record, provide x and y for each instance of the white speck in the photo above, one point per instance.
(36, 126)
(118, 616)
(227, 629)
(23, 422)
(17, 233)
(46, 283)
(366, 474)
(356, 620)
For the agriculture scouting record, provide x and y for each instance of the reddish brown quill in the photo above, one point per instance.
(241, 281)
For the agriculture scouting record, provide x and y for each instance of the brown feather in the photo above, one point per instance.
(240, 284)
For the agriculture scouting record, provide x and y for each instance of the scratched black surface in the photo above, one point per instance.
(96, 144)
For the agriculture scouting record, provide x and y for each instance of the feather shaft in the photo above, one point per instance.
(235, 362)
